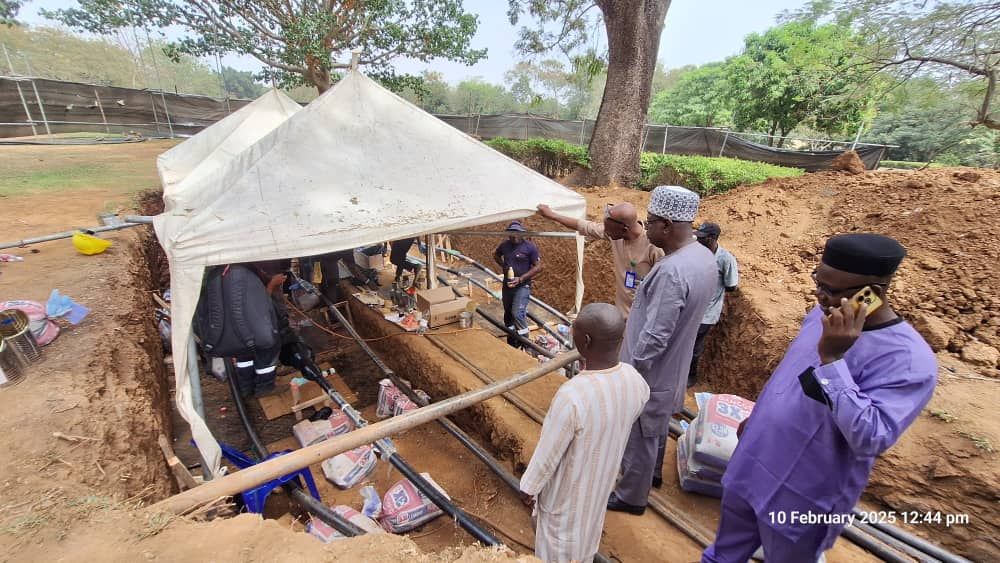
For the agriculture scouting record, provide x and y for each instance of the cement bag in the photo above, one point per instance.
(388, 394)
(715, 427)
(349, 468)
(309, 432)
(696, 468)
(689, 482)
(327, 534)
(404, 507)
(44, 330)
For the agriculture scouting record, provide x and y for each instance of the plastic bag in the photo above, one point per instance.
(372, 505)
(404, 507)
(349, 468)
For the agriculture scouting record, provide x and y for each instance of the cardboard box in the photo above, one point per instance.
(376, 262)
(440, 307)
(428, 297)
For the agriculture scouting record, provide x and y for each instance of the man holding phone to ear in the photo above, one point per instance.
(852, 381)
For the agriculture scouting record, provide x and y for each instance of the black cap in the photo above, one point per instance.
(866, 254)
(707, 230)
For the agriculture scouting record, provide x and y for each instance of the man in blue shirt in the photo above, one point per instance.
(520, 263)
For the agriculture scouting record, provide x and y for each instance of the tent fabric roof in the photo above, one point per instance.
(181, 166)
(357, 166)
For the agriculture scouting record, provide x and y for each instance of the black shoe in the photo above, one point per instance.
(618, 505)
(657, 482)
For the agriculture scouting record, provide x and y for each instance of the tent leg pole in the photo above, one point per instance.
(194, 376)
(431, 263)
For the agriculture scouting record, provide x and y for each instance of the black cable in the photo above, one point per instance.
(304, 499)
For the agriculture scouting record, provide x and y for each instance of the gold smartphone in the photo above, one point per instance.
(868, 297)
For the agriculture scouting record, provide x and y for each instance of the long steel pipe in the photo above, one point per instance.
(384, 446)
(65, 234)
(485, 269)
(447, 424)
(304, 499)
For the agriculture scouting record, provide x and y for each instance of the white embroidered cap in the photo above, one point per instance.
(674, 203)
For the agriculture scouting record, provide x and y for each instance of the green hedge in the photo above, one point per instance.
(551, 157)
(706, 175)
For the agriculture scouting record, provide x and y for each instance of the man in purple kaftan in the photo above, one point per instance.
(848, 386)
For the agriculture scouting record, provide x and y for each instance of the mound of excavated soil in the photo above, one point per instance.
(848, 161)
(948, 287)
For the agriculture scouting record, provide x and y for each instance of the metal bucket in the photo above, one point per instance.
(11, 368)
(465, 319)
(16, 332)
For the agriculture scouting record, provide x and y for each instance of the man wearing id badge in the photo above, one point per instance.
(633, 254)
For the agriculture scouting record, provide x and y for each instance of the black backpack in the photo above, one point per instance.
(235, 316)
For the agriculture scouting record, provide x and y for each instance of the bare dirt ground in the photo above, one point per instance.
(104, 384)
(103, 380)
(947, 219)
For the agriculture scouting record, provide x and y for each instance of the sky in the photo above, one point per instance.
(695, 32)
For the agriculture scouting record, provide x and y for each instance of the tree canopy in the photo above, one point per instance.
(299, 42)
(699, 96)
(800, 72)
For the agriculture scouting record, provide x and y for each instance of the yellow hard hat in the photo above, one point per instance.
(89, 244)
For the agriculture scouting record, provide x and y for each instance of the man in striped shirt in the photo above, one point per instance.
(576, 461)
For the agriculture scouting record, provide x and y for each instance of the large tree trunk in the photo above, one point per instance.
(634, 28)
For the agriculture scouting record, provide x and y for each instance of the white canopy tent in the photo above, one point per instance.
(182, 167)
(357, 166)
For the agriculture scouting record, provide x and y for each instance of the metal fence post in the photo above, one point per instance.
(38, 97)
(478, 117)
(100, 106)
(525, 119)
(583, 129)
(724, 140)
(156, 118)
(24, 103)
(41, 109)
(666, 129)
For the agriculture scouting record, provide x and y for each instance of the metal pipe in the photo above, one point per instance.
(448, 425)
(304, 499)
(918, 542)
(894, 543)
(554, 234)
(41, 109)
(545, 306)
(859, 534)
(431, 263)
(100, 106)
(531, 412)
(384, 446)
(65, 234)
(24, 103)
(144, 219)
(387, 451)
(495, 322)
(872, 545)
(555, 334)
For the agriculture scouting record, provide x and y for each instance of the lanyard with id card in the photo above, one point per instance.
(631, 277)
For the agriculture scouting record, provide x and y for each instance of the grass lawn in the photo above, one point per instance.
(122, 168)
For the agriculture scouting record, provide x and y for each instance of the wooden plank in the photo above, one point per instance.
(277, 406)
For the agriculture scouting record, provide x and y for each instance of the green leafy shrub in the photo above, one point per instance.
(703, 174)
(551, 157)
(707, 175)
